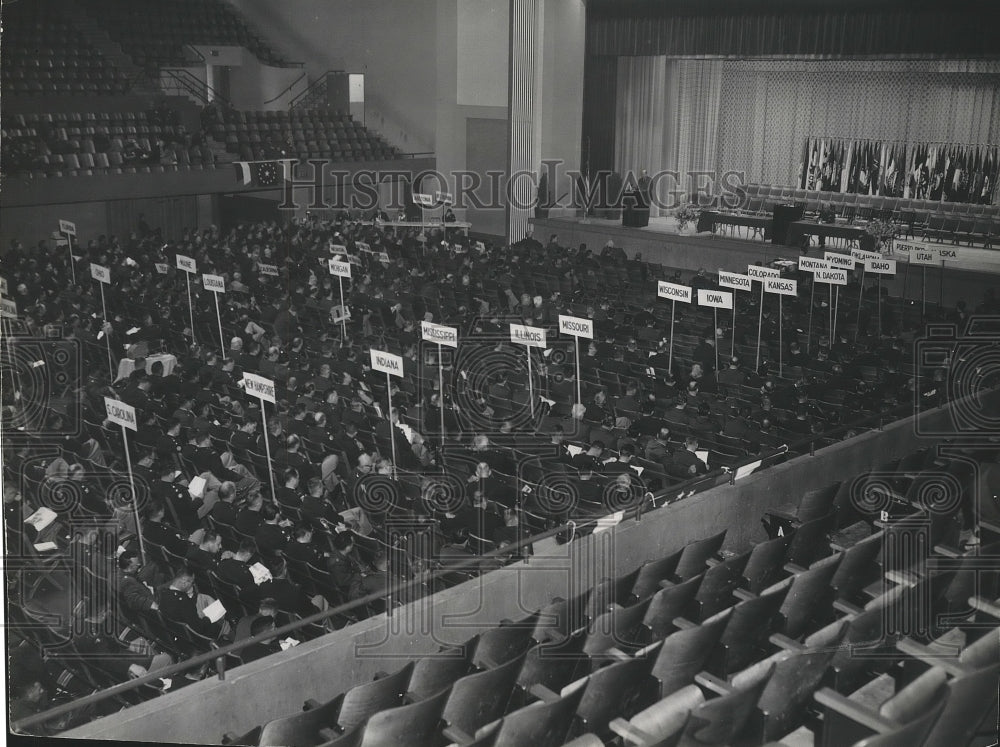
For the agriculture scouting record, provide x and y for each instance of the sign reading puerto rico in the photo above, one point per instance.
(387, 363)
(929, 253)
(259, 387)
(101, 274)
(673, 291)
(881, 266)
(439, 334)
(525, 335)
(762, 273)
(734, 280)
(187, 264)
(781, 286)
(214, 283)
(67, 227)
(120, 413)
(339, 268)
(572, 325)
(832, 276)
(811, 264)
(271, 270)
(715, 299)
(843, 261)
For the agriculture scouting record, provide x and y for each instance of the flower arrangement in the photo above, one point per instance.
(684, 215)
(882, 231)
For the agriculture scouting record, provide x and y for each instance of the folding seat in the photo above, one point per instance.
(479, 699)
(617, 629)
(539, 725)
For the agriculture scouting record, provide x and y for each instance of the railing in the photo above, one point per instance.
(662, 497)
(288, 88)
(188, 83)
(316, 88)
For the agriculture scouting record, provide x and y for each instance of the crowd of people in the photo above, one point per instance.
(359, 482)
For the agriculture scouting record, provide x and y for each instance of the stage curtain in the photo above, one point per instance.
(600, 95)
(639, 115)
(691, 116)
(942, 31)
(768, 108)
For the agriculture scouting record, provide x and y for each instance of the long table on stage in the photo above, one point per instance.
(459, 224)
(802, 228)
(759, 225)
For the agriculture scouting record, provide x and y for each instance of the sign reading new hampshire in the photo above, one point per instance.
(259, 387)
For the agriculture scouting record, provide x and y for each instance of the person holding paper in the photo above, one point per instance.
(685, 463)
(179, 603)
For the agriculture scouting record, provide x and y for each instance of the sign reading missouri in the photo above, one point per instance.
(577, 327)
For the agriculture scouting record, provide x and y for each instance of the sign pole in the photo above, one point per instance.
(906, 274)
(576, 346)
(107, 338)
(879, 287)
(836, 312)
(531, 386)
(715, 333)
(218, 316)
(135, 499)
(923, 295)
(760, 324)
(343, 309)
(830, 314)
(441, 389)
(941, 285)
(72, 267)
(392, 426)
(187, 277)
(781, 339)
(670, 358)
(732, 349)
(861, 294)
(267, 449)
(809, 328)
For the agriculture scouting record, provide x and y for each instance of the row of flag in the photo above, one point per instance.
(925, 171)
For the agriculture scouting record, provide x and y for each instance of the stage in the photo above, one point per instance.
(661, 243)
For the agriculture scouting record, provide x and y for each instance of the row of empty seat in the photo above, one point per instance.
(786, 641)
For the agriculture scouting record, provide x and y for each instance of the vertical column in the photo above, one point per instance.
(524, 137)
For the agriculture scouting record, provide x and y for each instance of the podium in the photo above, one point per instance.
(635, 210)
(784, 216)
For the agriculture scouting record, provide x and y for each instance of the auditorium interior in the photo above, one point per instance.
(496, 373)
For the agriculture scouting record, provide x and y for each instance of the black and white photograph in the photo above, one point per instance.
(500, 373)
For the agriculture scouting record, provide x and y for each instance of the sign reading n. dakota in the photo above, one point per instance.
(525, 335)
(832, 277)
(103, 274)
(258, 386)
(573, 325)
(673, 291)
(340, 269)
(715, 299)
(186, 263)
(214, 283)
(734, 280)
(387, 362)
(781, 286)
(439, 333)
(120, 413)
(761, 273)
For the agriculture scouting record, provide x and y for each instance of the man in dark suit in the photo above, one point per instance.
(178, 603)
(685, 463)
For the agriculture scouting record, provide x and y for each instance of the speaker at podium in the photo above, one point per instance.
(635, 210)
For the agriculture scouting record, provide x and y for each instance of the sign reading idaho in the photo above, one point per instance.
(577, 327)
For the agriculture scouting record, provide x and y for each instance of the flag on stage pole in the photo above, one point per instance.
(263, 173)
